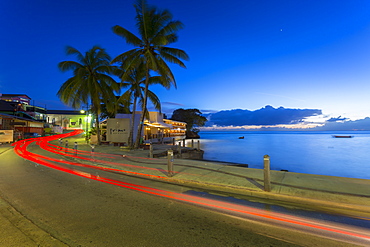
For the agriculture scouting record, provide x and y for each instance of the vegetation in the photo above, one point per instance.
(91, 81)
(156, 30)
(146, 64)
(110, 107)
(192, 117)
(134, 80)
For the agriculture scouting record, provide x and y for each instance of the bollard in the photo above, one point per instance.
(198, 145)
(170, 163)
(173, 141)
(179, 150)
(150, 150)
(76, 146)
(183, 142)
(92, 151)
(192, 143)
(66, 143)
(266, 173)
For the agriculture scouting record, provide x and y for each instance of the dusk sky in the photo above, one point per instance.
(244, 54)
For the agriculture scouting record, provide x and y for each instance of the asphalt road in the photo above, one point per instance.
(78, 211)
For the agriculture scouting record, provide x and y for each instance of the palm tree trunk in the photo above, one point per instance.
(141, 124)
(96, 112)
(98, 128)
(131, 136)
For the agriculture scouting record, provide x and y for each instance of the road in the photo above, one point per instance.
(79, 211)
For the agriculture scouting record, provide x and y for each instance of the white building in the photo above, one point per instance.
(155, 129)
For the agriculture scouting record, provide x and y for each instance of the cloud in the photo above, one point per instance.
(167, 107)
(337, 119)
(207, 113)
(361, 124)
(172, 104)
(264, 116)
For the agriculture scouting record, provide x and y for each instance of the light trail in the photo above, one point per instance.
(336, 231)
(69, 152)
(44, 145)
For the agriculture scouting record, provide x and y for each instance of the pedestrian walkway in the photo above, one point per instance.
(328, 193)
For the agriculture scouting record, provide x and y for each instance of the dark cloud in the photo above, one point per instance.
(337, 119)
(166, 107)
(264, 116)
(207, 113)
(361, 124)
(172, 103)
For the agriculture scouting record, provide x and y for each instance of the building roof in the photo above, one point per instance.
(3, 115)
(13, 95)
(64, 112)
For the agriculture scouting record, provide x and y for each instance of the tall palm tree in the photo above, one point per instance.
(91, 81)
(134, 81)
(157, 30)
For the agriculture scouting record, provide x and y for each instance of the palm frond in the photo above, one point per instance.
(166, 72)
(129, 37)
(73, 51)
(155, 100)
(172, 59)
(69, 65)
(178, 53)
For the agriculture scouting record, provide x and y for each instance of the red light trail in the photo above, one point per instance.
(20, 149)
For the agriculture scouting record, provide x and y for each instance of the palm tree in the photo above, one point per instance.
(112, 106)
(157, 30)
(134, 80)
(91, 81)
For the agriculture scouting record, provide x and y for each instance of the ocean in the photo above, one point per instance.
(303, 152)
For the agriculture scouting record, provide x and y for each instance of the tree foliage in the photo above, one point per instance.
(192, 117)
(91, 81)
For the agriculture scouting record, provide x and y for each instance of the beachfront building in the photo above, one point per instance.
(178, 128)
(155, 129)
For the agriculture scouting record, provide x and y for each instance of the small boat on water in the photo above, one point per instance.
(340, 136)
(241, 137)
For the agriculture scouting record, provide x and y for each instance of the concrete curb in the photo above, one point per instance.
(337, 207)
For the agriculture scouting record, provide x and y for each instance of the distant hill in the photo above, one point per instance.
(267, 115)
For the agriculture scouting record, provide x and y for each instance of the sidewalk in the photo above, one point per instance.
(333, 194)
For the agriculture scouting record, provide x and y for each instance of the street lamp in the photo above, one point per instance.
(86, 120)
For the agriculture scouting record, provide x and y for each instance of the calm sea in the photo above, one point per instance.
(303, 152)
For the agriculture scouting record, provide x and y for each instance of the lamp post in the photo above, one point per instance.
(86, 124)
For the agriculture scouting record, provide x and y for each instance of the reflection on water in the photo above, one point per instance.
(303, 152)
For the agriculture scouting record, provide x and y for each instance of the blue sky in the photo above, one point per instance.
(243, 54)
